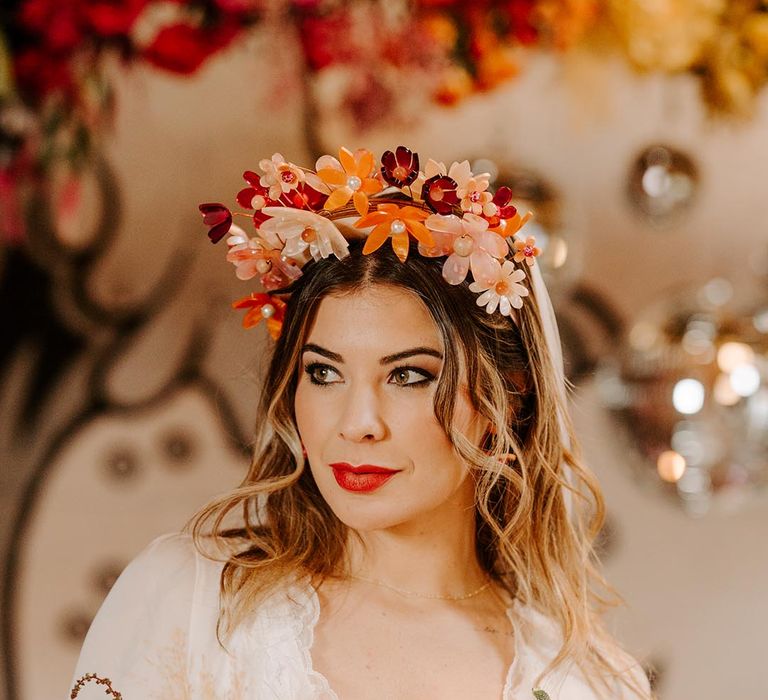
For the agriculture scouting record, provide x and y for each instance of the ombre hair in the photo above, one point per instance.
(528, 540)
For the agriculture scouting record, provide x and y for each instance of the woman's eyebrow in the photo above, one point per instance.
(387, 359)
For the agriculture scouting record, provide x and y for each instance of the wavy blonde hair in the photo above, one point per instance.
(526, 539)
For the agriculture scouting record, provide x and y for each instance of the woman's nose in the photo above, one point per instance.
(361, 417)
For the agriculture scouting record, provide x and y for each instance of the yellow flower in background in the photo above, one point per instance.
(669, 35)
(756, 33)
(6, 76)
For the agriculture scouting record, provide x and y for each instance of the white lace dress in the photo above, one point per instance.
(154, 638)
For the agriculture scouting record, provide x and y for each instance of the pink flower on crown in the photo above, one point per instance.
(257, 256)
(297, 230)
(280, 176)
(468, 244)
(501, 288)
(475, 197)
(526, 250)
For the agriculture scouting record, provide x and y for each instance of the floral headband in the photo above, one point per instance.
(450, 212)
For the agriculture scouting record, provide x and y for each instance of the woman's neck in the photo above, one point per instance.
(435, 555)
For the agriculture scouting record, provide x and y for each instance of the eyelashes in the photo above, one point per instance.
(318, 374)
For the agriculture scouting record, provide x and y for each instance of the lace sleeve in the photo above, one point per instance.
(137, 647)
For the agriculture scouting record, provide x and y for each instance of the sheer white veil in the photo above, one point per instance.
(552, 337)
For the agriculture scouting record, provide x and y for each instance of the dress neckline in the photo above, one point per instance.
(321, 682)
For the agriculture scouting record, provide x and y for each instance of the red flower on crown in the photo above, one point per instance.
(218, 217)
(439, 192)
(400, 168)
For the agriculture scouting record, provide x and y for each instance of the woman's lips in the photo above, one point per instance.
(362, 478)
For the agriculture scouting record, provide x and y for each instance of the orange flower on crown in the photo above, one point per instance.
(349, 177)
(262, 307)
(397, 222)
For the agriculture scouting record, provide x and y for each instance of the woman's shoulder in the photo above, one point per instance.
(179, 553)
(539, 639)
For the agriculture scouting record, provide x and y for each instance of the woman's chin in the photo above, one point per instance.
(368, 516)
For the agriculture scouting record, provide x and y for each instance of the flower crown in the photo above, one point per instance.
(450, 212)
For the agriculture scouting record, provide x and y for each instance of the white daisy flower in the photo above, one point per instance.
(501, 289)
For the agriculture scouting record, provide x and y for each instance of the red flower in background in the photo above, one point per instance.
(324, 39)
(242, 7)
(56, 23)
(110, 17)
(520, 14)
(37, 74)
(63, 25)
(182, 48)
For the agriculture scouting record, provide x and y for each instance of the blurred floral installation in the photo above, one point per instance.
(56, 99)
(57, 103)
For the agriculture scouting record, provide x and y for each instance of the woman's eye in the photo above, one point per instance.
(324, 375)
(411, 376)
(321, 374)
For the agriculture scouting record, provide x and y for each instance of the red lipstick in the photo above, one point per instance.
(363, 478)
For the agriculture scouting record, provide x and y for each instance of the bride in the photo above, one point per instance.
(415, 522)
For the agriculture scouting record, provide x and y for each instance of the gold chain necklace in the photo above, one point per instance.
(414, 594)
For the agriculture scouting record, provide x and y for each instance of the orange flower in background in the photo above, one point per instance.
(455, 84)
(397, 222)
(567, 21)
(349, 177)
(497, 65)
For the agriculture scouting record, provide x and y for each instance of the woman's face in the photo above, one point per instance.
(364, 410)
